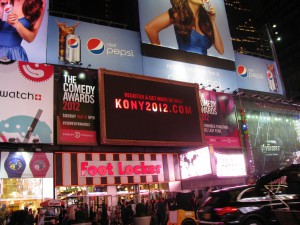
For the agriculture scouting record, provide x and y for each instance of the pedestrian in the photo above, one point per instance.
(161, 211)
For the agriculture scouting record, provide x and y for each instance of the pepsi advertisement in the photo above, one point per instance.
(88, 45)
(172, 24)
(257, 74)
(218, 115)
(140, 110)
(77, 101)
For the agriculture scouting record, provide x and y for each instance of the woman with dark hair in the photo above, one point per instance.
(23, 23)
(195, 27)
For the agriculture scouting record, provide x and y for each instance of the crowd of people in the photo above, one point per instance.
(125, 213)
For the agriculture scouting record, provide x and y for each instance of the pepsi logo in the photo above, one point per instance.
(8, 9)
(95, 46)
(242, 71)
(73, 43)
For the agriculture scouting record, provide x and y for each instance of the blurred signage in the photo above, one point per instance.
(230, 165)
(195, 163)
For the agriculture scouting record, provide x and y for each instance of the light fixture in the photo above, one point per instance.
(206, 86)
(225, 90)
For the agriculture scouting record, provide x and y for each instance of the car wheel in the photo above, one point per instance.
(253, 222)
(188, 222)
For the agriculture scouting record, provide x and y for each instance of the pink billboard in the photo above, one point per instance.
(219, 119)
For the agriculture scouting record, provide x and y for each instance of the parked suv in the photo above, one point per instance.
(254, 204)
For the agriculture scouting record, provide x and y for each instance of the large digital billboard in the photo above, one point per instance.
(140, 110)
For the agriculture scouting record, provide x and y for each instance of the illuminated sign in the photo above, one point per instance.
(140, 110)
(99, 169)
(195, 163)
(230, 165)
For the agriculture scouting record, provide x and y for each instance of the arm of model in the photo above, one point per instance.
(153, 28)
(26, 34)
(218, 44)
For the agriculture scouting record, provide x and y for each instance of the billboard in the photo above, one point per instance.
(77, 102)
(29, 41)
(171, 24)
(208, 77)
(274, 139)
(88, 45)
(257, 74)
(140, 110)
(195, 163)
(219, 119)
(26, 165)
(26, 98)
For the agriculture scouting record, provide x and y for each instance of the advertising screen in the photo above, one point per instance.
(172, 24)
(230, 165)
(26, 99)
(141, 110)
(27, 44)
(77, 102)
(195, 163)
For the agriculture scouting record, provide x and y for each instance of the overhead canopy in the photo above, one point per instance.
(52, 202)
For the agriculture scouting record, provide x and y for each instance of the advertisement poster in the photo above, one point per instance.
(29, 46)
(171, 24)
(257, 74)
(26, 165)
(88, 45)
(195, 163)
(26, 99)
(140, 110)
(77, 102)
(219, 118)
(274, 139)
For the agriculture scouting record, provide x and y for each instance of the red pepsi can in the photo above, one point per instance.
(271, 77)
(73, 51)
(7, 9)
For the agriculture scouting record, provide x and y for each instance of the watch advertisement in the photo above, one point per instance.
(26, 165)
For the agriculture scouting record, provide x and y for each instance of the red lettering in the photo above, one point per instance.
(121, 172)
(110, 169)
(101, 170)
(129, 170)
(158, 169)
(137, 169)
(83, 168)
(92, 170)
